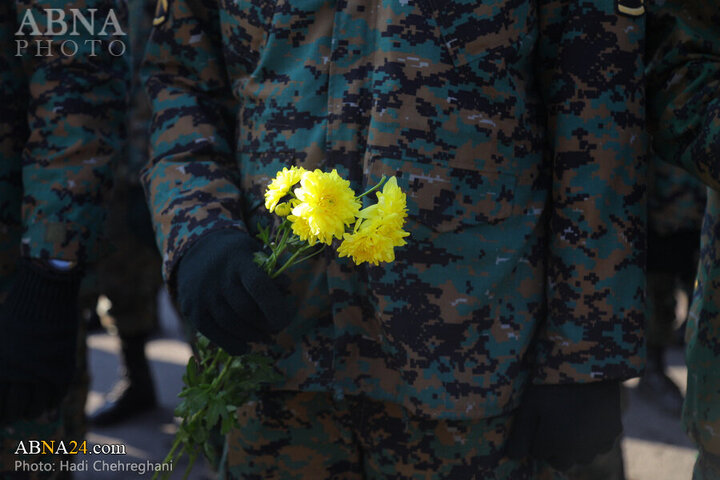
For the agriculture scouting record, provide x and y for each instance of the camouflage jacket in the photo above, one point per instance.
(61, 124)
(684, 117)
(676, 199)
(140, 21)
(515, 126)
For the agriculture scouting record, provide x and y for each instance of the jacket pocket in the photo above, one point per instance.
(449, 199)
(245, 26)
(498, 30)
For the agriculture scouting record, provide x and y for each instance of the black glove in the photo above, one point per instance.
(225, 295)
(566, 424)
(38, 341)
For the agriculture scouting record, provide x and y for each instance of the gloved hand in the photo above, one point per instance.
(38, 341)
(225, 295)
(566, 424)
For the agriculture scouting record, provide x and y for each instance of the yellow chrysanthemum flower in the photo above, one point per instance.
(391, 206)
(301, 228)
(281, 185)
(374, 242)
(379, 230)
(326, 203)
(283, 209)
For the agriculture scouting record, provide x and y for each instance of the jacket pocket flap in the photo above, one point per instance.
(448, 199)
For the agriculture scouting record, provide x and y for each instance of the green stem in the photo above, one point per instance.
(176, 443)
(279, 247)
(196, 415)
(283, 241)
(215, 360)
(290, 261)
(220, 378)
(190, 466)
(379, 184)
(311, 255)
(169, 456)
(282, 229)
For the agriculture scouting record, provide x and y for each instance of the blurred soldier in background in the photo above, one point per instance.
(676, 202)
(684, 119)
(129, 278)
(61, 126)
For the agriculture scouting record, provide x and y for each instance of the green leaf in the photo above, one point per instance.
(195, 399)
(198, 437)
(182, 409)
(191, 372)
(215, 410)
(203, 343)
(263, 234)
(210, 453)
(227, 424)
(216, 384)
(260, 258)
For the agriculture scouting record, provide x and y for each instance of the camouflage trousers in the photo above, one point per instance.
(67, 423)
(672, 264)
(311, 435)
(661, 289)
(48, 427)
(129, 276)
(605, 466)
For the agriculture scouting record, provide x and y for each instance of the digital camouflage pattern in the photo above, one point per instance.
(140, 19)
(522, 156)
(59, 132)
(312, 435)
(684, 114)
(676, 199)
(60, 126)
(682, 80)
(701, 410)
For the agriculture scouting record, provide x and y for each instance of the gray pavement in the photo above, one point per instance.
(655, 446)
(147, 437)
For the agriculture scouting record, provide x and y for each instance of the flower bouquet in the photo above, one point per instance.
(315, 208)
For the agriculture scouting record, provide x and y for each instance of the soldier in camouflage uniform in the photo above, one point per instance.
(676, 203)
(684, 113)
(130, 275)
(506, 324)
(60, 127)
(675, 208)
